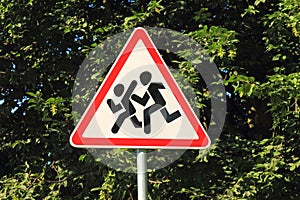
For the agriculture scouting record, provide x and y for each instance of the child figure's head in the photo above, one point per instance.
(145, 77)
(119, 89)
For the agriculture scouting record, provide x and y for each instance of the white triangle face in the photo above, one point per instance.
(104, 119)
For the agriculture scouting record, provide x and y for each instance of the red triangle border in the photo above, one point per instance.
(76, 138)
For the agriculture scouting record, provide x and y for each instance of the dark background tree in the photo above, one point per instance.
(255, 44)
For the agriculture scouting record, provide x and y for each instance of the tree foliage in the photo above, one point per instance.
(255, 44)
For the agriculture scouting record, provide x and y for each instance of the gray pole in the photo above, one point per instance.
(142, 174)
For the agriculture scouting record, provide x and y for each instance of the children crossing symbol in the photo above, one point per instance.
(152, 92)
(139, 105)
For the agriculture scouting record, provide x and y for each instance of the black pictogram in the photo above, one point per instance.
(159, 102)
(126, 104)
(152, 92)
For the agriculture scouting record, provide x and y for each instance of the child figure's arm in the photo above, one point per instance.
(114, 107)
(141, 100)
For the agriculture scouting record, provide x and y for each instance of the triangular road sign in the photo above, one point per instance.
(139, 105)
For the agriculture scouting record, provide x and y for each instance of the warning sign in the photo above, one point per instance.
(139, 105)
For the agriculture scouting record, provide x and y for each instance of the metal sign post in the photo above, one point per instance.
(142, 174)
